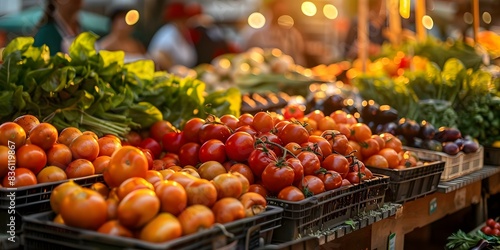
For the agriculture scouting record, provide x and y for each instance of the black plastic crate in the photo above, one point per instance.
(328, 209)
(32, 199)
(411, 183)
(492, 156)
(308, 242)
(248, 233)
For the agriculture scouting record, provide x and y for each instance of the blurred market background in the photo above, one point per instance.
(323, 23)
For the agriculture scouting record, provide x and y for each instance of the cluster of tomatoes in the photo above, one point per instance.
(34, 152)
(290, 156)
(154, 206)
(492, 227)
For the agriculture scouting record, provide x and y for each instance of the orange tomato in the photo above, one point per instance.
(254, 203)
(61, 191)
(126, 162)
(80, 168)
(32, 157)
(59, 155)
(101, 163)
(108, 145)
(84, 208)
(376, 160)
(68, 134)
(228, 209)
(369, 147)
(163, 227)
(131, 184)
(360, 132)
(172, 195)
(391, 156)
(27, 122)
(12, 135)
(208, 170)
(227, 185)
(4, 160)
(195, 218)
(138, 208)
(85, 147)
(23, 177)
(202, 192)
(244, 170)
(101, 188)
(44, 135)
(51, 174)
(113, 227)
(153, 176)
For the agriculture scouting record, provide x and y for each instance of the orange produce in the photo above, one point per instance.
(84, 208)
(44, 135)
(163, 227)
(195, 218)
(51, 174)
(172, 195)
(137, 208)
(228, 209)
(126, 162)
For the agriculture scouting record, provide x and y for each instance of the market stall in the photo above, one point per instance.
(252, 151)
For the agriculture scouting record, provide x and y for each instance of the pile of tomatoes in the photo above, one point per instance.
(492, 227)
(290, 157)
(154, 206)
(34, 152)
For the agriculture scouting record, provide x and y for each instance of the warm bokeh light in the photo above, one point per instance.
(132, 17)
(330, 11)
(256, 20)
(404, 8)
(308, 8)
(427, 22)
(285, 21)
(486, 17)
(225, 63)
(468, 18)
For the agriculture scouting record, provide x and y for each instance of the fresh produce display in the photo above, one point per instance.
(97, 91)
(488, 237)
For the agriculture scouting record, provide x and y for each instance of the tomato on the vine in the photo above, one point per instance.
(263, 122)
(298, 169)
(337, 163)
(312, 185)
(293, 111)
(213, 130)
(259, 158)
(192, 128)
(331, 179)
(310, 162)
(291, 193)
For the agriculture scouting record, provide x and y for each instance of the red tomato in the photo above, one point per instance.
(331, 179)
(369, 147)
(293, 132)
(293, 111)
(360, 132)
(312, 185)
(212, 150)
(32, 157)
(79, 168)
(132, 138)
(337, 140)
(172, 141)
(59, 155)
(310, 162)
(213, 130)
(160, 128)
(298, 169)
(230, 120)
(239, 146)
(273, 138)
(259, 159)
(321, 143)
(243, 169)
(192, 128)
(354, 177)
(125, 163)
(189, 154)
(291, 193)
(149, 157)
(20, 177)
(85, 146)
(337, 163)
(248, 129)
(245, 119)
(258, 188)
(277, 175)
(263, 122)
(153, 145)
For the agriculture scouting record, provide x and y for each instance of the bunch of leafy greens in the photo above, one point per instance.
(454, 96)
(97, 91)
(464, 241)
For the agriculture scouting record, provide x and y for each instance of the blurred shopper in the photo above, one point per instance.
(59, 25)
(276, 35)
(172, 44)
(121, 36)
(208, 39)
(377, 25)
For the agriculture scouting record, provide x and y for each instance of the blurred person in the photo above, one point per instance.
(275, 35)
(121, 37)
(208, 39)
(59, 25)
(172, 44)
(376, 27)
